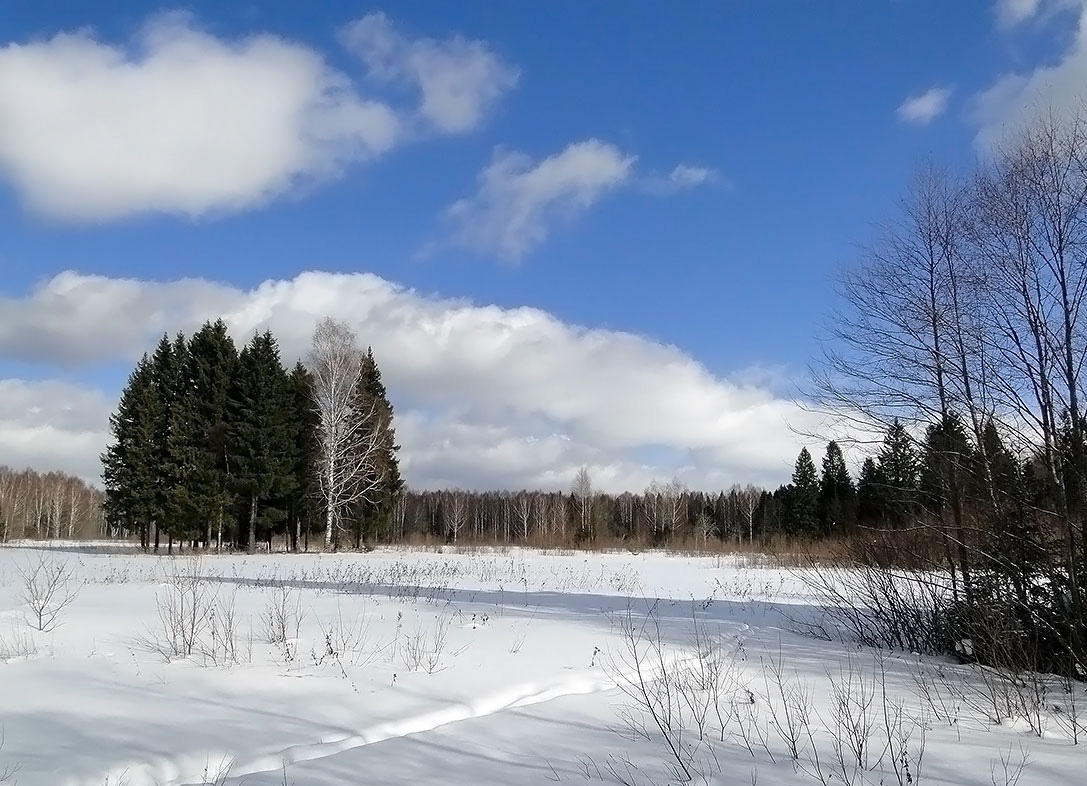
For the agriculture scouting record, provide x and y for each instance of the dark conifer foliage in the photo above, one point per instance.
(260, 438)
(129, 462)
(837, 495)
(303, 499)
(898, 474)
(802, 497)
(374, 515)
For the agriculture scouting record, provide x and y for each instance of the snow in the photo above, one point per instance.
(416, 667)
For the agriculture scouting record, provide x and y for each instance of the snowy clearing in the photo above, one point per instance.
(414, 667)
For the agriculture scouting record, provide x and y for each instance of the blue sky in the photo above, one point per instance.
(711, 166)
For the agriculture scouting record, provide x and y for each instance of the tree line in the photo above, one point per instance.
(48, 505)
(962, 337)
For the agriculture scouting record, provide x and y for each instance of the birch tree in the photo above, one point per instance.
(346, 446)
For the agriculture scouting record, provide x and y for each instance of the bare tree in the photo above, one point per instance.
(522, 510)
(748, 499)
(582, 491)
(456, 513)
(347, 446)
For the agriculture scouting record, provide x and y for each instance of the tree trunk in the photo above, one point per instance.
(251, 546)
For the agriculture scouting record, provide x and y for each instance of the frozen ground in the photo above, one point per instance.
(405, 667)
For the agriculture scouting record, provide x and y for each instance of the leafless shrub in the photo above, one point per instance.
(7, 771)
(185, 605)
(789, 700)
(1068, 710)
(47, 586)
(853, 721)
(348, 639)
(424, 650)
(282, 617)
(881, 607)
(906, 739)
(224, 644)
(939, 690)
(1009, 768)
(668, 691)
(17, 646)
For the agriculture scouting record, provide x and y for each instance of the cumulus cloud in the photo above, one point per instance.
(1015, 99)
(925, 107)
(459, 80)
(181, 121)
(485, 396)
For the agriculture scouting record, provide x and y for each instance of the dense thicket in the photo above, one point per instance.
(47, 506)
(963, 338)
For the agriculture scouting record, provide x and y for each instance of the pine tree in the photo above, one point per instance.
(898, 468)
(374, 513)
(803, 496)
(837, 496)
(129, 462)
(261, 437)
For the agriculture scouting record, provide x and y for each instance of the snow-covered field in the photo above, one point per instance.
(412, 667)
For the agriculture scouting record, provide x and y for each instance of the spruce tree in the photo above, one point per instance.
(948, 464)
(129, 464)
(871, 495)
(837, 496)
(213, 363)
(374, 513)
(304, 498)
(803, 496)
(163, 374)
(183, 450)
(898, 468)
(261, 435)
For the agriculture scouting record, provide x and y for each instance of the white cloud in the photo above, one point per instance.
(518, 199)
(1010, 13)
(689, 176)
(925, 107)
(459, 80)
(181, 121)
(682, 177)
(485, 396)
(53, 425)
(1013, 100)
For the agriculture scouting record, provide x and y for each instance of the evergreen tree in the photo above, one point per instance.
(374, 513)
(837, 496)
(261, 435)
(213, 363)
(803, 496)
(305, 496)
(948, 463)
(898, 469)
(164, 380)
(183, 448)
(871, 494)
(129, 465)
